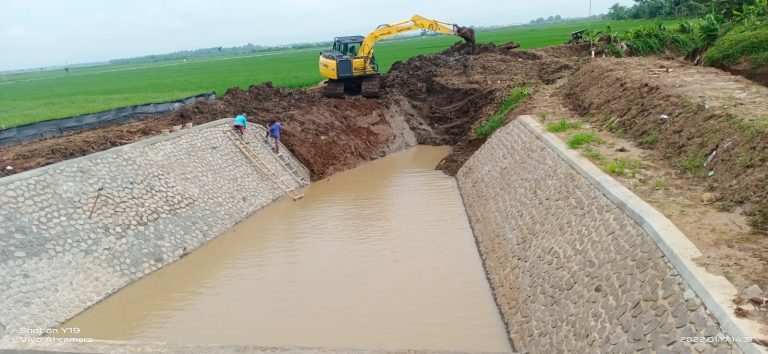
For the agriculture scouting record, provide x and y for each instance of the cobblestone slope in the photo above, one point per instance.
(570, 271)
(77, 231)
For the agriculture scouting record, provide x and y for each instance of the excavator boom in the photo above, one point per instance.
(414, 23)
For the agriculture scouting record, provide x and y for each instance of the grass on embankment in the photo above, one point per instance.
(36, 96)
(742, 42)
(510, 102)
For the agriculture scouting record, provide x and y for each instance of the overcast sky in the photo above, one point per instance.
(35, 33)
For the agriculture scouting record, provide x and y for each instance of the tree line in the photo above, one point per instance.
(645, 9)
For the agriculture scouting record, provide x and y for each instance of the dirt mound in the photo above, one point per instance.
(744, 68)
(687, 113)
(453, 90)
(565, 51)
(463, 49)
(432, 99)
(326, 135)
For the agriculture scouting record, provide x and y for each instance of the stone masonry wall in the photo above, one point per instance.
(570, 271)
(74, 232)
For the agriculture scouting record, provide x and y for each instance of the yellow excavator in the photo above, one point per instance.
(350, 66)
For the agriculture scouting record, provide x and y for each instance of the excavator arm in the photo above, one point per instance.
(414, 23)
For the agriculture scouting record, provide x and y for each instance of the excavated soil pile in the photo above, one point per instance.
(432, 99)
(454, 90)
(327, 135)
(688, 113)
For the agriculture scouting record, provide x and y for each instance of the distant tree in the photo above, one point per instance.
(558, 18)
(618, 12)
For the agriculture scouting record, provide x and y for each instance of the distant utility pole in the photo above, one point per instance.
(589, 25)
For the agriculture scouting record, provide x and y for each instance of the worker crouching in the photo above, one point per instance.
(240, 123)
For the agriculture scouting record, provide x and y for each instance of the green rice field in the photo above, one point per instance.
(35, 96)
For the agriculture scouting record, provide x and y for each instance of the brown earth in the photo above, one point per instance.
(708, 110)
(437, 98)
(328, 135)
(745, 68)
(619, 99)
(441, 98)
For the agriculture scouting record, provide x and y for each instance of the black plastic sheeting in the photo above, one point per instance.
(50, 128)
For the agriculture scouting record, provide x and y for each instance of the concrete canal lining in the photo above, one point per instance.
(574, 265)
(380, 257)
(580, 264)
(77, 231)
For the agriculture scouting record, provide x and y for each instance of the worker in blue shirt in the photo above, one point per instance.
(240, 123)
(274, 129)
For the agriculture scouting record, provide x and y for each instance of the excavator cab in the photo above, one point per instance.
(348, 45)
(343, 53)
(348, 71)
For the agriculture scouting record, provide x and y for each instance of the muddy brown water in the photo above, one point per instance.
(378, 257)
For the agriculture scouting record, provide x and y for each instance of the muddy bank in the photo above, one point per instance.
(331, 134)
(433, 99)
(707, 111)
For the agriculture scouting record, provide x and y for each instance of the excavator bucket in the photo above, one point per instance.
(467, 33)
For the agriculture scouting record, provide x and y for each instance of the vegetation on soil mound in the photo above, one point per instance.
(499, 117)
(731, 35)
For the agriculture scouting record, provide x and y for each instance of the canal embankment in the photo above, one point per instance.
(578, 263)
(77, 231)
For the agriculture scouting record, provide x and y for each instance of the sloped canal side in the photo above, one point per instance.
(378, 257)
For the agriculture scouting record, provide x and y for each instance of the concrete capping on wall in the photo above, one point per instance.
(96, 155)
(715, 292)
(134, 146)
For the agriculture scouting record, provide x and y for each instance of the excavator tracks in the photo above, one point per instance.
(371, 87)
(333, 89)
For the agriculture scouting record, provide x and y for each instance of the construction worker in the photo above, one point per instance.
(240, 123)
(274, 129)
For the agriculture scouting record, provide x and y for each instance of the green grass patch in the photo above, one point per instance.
(760, 218)
(757, 126)
(746, 159)
(725, 206)
(622, 167)
(575, 141)
(659, 184)
(563, 125)
(651, 138)
(742, 42)
(591, 153)
(694, 166)
(517, 95)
